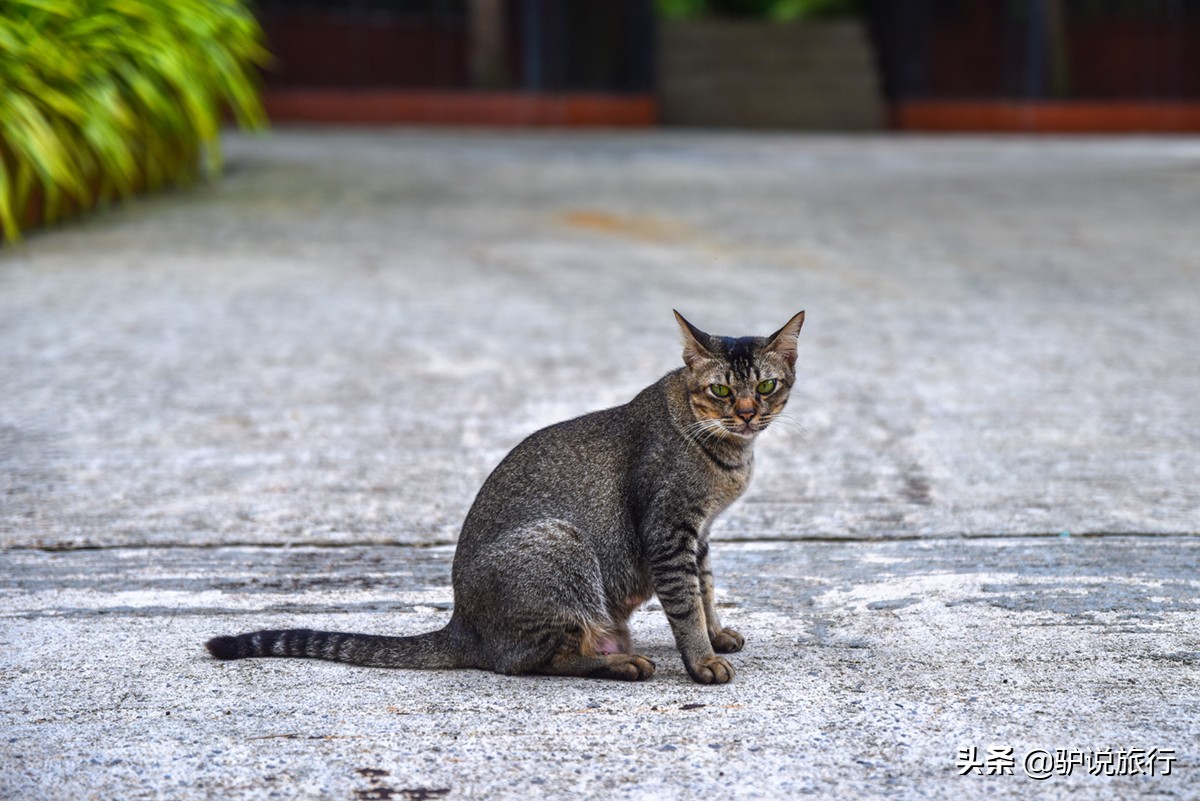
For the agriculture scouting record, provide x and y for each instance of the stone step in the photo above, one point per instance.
(761, 75)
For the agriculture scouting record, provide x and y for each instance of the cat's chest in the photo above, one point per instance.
(724, 487)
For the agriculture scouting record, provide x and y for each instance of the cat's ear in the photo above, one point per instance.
(696, 344)
(783, 341)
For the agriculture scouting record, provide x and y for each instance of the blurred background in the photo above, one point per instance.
(441, 168)
(1094, 65)
(101, 99)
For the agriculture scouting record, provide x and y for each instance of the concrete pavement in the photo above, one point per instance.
(269, 402)
(868, 666)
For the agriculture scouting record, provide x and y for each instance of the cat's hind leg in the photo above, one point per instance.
(578, 648)
(627, 667)
(587, 650)
(545, 609)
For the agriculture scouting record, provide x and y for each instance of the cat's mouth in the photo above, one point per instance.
(743, 429)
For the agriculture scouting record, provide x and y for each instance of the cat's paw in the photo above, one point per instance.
(711, 670)
(727, 641)
(626, 667)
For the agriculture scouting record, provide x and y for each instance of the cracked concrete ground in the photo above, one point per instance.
(269, 401)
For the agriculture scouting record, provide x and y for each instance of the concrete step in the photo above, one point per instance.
(819, 76)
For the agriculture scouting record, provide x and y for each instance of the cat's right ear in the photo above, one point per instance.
(783, 341)
(695, 342)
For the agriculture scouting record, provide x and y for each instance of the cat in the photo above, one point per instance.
(584, 520)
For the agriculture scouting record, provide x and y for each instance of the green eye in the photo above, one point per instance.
(720, 390)
(766, 387)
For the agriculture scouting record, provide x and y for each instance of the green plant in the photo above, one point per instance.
(102, 98)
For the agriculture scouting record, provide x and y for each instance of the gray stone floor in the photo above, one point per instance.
(270, 400)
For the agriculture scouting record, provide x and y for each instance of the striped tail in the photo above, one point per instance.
(437, 649)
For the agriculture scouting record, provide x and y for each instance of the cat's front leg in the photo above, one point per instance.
(673, 557)
(724, 641)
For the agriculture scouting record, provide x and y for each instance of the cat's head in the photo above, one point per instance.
(736, 387)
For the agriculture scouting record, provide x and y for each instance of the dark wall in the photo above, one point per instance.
(1038, 49)
(550, 45)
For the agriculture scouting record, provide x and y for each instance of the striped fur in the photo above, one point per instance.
(433, 650)
(586, 519)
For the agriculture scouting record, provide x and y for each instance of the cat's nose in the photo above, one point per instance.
(744, 408)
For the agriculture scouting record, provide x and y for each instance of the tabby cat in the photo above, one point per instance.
(585, 520)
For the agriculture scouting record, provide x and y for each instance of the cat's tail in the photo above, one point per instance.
(444, 648)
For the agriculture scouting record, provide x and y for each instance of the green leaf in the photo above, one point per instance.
(8, 216)
(100, 98)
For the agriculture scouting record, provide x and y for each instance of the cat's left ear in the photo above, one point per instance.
(783, 341)
(696, 344)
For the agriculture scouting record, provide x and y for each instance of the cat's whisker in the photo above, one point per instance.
(696, 430)
(787, 423)
(794, 423)
(711, 429)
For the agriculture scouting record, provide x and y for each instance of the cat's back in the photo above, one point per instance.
(574, 470)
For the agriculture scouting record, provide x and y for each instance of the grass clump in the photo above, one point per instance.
(103, 98)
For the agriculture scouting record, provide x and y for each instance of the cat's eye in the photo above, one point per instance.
(720, 390)
(766, 387)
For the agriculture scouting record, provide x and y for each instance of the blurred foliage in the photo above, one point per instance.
(781, 10)
(102, 98)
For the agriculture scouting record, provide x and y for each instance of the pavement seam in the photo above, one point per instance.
(332, 544)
